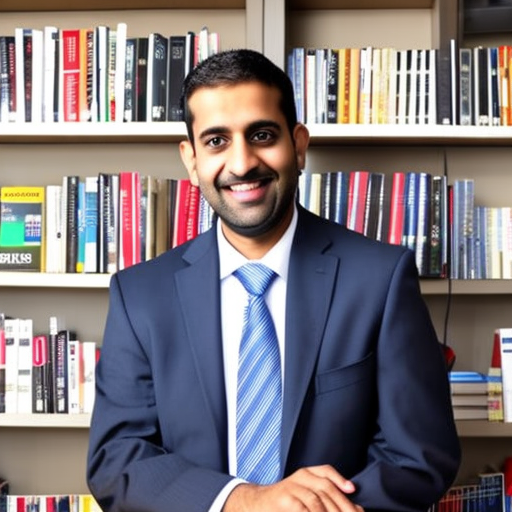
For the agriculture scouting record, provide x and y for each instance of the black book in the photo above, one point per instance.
(157, 77)
(141, 52)
(71, 223)
(444, 85)
(130, 77)
(482, 79)
(4, 79)
(176, 75)
(332, 85)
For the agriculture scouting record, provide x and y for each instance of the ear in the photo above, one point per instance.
(188, 157)
(301, 139)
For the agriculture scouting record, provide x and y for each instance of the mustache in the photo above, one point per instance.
(251, 175)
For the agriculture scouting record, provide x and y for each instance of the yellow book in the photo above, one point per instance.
(22, 228)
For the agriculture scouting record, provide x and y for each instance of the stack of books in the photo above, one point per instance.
(469, 395)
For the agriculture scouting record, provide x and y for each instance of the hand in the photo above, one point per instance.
(311, 489)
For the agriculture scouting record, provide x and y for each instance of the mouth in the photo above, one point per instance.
(249, 191)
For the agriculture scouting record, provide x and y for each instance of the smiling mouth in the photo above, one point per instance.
(247, 186)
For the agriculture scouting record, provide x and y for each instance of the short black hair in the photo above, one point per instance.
(232, 67)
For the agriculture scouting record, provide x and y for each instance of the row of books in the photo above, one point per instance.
(97, 224)
(405, 208)
(450, 235)
(96, 74)
(48, 503)
(49, 372)
(487, 494)
(458, 86)
(482, 237)
(104, 223)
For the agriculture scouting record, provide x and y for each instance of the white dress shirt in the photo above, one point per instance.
(233, 301)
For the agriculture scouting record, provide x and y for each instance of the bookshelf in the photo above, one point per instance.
(42, 154)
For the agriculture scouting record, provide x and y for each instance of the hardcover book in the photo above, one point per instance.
(21, 228)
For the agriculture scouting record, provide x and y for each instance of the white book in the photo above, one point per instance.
(505, 336)
(73, 356)
(422, 87)
(89, 376)
(120, 71)
(402, 87)
(50, 38)
(25, 366)
(20, 75)
(101, 61)
(53, 224)
(37, 76)
(392, 86)
(12, 329)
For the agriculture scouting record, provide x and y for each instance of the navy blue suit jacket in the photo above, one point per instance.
(365, 384)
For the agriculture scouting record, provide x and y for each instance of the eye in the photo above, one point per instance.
(215, 142)
(263, 136)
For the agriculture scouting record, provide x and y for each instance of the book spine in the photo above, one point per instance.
(2, 362)
(40, 383)
(61, 372)
(25, 366)
(72, 224)
(176, 75)
(70, 58)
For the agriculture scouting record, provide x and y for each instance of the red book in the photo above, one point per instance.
(192, 212)
(129, 218)
(357, 189)
(70, 74)
(397, 209)
(181, 211)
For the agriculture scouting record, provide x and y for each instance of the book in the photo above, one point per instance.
(71, 185)
(495, 394)
(467, 382)
(88, 375)
(40, 374)
(12, 330)
(25, 359)
(2, 362)
(21, 228)
(157, 78)
(55, 262)
(470, 412)
(176, 75)
(505, 337)
(70, 53)
(129, 218)
(91, 224)
(469, 400)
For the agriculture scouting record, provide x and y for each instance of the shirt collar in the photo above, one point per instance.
(277, 258)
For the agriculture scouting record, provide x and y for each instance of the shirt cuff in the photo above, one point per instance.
(221, 498)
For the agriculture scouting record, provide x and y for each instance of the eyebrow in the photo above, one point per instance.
(256, 125)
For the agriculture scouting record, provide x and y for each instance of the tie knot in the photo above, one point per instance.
(255, 277)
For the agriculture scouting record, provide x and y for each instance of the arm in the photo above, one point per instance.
(128, 467)
(415, 452)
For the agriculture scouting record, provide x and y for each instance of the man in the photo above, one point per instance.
(365, 420)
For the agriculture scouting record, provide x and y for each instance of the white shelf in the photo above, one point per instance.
(42, 280)
(345, 134)
(91, 132)
(401, 134)
(45, 420)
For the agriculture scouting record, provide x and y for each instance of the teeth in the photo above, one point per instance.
(243, 187)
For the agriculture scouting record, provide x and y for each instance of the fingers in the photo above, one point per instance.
(312, 489)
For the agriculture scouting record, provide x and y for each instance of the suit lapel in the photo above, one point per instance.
(311, 279)
(199, 291)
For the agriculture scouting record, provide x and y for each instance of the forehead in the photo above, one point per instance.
(232, 105)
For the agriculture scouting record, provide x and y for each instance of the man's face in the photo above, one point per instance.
(244, 158)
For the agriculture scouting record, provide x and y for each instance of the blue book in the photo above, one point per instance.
(91, 224)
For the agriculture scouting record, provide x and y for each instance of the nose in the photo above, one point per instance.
(242, 156)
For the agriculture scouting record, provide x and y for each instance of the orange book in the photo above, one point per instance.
(342, 82)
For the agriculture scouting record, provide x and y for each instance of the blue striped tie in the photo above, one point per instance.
(259, 400)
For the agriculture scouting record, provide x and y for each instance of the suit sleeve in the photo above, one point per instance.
(127, 468)
(415, 452)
